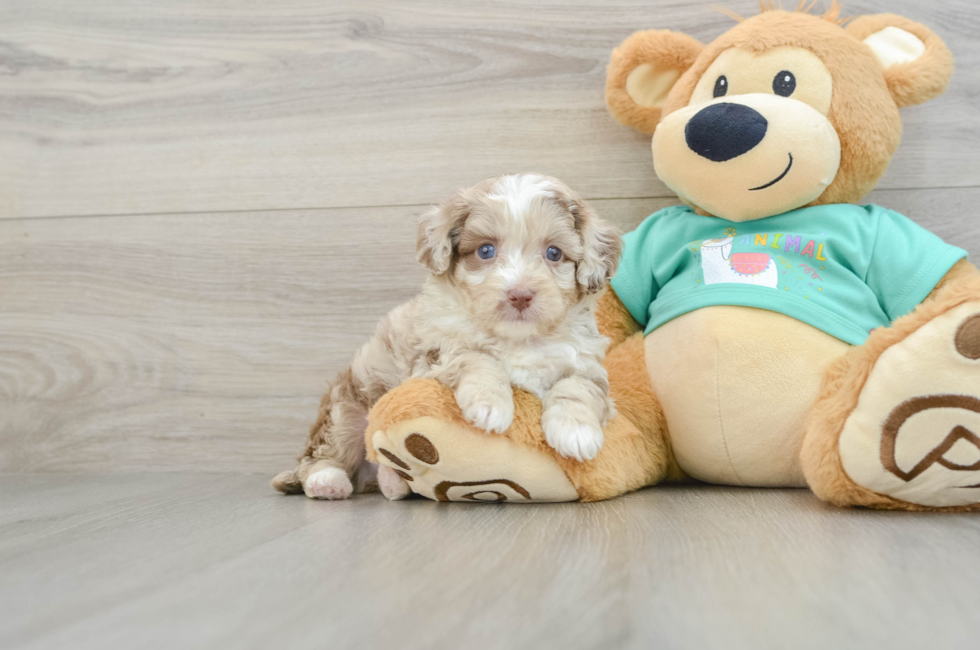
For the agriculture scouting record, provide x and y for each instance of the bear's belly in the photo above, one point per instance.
(736, 384)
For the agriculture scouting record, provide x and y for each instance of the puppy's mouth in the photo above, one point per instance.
(777, 179)
(510, 314)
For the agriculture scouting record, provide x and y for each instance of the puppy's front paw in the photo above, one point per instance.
(492, 418)
(492, 411)
(572, 437)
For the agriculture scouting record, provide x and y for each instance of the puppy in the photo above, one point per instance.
(516, 266)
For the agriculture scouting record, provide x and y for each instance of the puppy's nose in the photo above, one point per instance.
(724, 131)
(520, 299)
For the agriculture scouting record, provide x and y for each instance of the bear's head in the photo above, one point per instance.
(785, 110)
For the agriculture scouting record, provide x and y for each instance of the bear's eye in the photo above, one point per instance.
(784, 84)
(721, 86)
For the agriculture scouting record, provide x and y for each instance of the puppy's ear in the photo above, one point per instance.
(641, 73)
(602, 244)
(438, 233)
(916, 63)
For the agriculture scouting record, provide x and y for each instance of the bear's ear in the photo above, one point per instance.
(642, 70)
(917, 64)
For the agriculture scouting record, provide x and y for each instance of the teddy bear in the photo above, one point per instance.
(768, 331)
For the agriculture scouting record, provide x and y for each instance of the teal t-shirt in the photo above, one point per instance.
(844, 269)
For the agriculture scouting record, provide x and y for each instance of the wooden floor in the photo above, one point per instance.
(196, 561)
(205, 205)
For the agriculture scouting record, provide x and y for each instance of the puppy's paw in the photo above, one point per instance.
(492, 411)
(571, 437)
(330, 483)
(392, 485)
(490, 418)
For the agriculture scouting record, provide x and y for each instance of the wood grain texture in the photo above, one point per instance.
(203, 342)
(212, 105)
(221, 562)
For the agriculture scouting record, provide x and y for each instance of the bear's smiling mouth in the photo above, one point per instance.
(778, 178)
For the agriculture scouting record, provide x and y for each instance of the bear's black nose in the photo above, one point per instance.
(724, 131)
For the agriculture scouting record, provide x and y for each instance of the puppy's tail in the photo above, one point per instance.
(288, 482)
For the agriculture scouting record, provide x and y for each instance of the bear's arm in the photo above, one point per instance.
(613, 319)
(962, 270)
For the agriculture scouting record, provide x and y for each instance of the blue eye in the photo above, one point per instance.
(486, 252)
(553, 254)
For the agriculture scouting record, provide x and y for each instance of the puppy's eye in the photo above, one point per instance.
(721, 86)
(784, 84)
(553, 254)
(486, 252)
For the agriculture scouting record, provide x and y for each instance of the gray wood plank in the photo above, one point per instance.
(203, 342)
(210, 105)
(226, 563)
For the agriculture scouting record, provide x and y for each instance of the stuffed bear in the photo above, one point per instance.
(768, 331)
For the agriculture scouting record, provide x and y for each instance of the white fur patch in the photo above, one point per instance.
(512, 271)
(488, 406)
(518, 191)
(331, 483)
(571, 438)
(893, 46)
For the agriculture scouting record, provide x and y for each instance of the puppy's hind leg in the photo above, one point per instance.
(335, 451)
(323, 479)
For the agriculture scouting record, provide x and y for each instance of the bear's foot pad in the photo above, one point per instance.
(915, 433)
(449, 462)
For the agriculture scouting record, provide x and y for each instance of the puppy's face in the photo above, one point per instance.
(520, 252)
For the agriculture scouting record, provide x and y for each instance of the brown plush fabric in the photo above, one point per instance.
(665, 50)
(614, 320)
(629, 385)
(413, 399)
(842, 387)
(920, 80)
